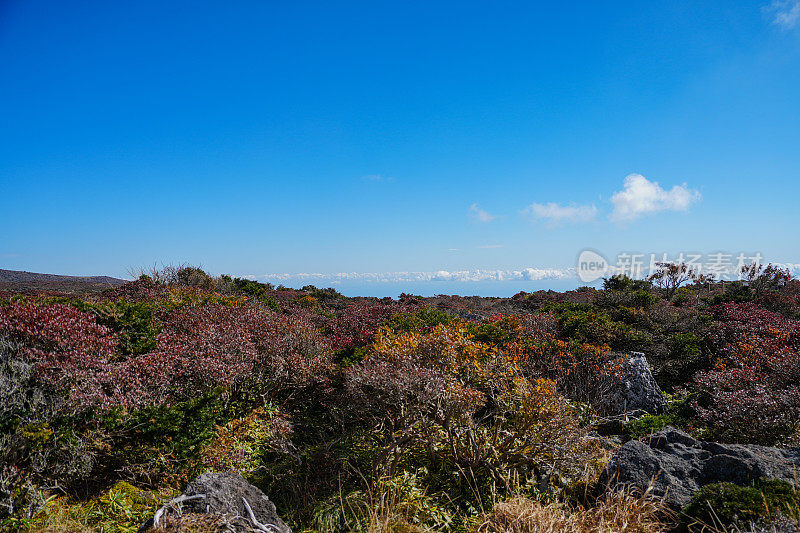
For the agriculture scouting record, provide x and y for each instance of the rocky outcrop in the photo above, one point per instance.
(678, 465)
(226, 497)
(634, 392)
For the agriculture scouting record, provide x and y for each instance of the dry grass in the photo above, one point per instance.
(190, 523)
(617, 513)
(200, 523)
(385, 507)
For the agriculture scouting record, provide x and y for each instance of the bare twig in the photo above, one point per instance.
(267, 528)
(180, 499)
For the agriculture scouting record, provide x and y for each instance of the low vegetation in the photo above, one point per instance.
(724, 504)
(365, 414)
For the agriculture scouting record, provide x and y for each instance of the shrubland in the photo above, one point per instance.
(415, 414)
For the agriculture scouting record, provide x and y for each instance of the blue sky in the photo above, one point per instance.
(432, 147)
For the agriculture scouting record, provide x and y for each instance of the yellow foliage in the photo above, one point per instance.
(121, 509)
(237, 445)
(449, 349)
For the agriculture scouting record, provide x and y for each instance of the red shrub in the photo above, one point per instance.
(357, 324)
(198, 349)
(753, 394)
(57, 329)
(66, 345)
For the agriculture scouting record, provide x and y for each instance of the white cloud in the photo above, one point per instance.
(481, 215)
(794, 268)
(641, 196)
(556, 214)
(785, 13)
(523, 274)
(463, 276)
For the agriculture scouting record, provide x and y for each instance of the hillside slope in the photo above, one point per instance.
(17, 280)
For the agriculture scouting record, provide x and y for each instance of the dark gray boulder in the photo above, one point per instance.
(223, 494)
(678, 465)
(634, 391)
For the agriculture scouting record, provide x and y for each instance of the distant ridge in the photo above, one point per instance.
(18, 280)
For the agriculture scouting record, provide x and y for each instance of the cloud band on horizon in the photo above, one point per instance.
(526, 274)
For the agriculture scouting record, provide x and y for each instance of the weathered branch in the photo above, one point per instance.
(180, 499)
(267, 528)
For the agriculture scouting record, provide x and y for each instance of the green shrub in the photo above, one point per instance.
(425, 318)
(683, 358)
(495, 333)
(682, 296)
(649, 424)
(736, 292)
(685, 346)
(583, 323)
(678, 415)
(121, 509)
(164, 440)
(323, 294)
(350, 356)
(133, 323)
(725, 504)
(644, 298)
(194, 277)
(621, 282)
(261, 291)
